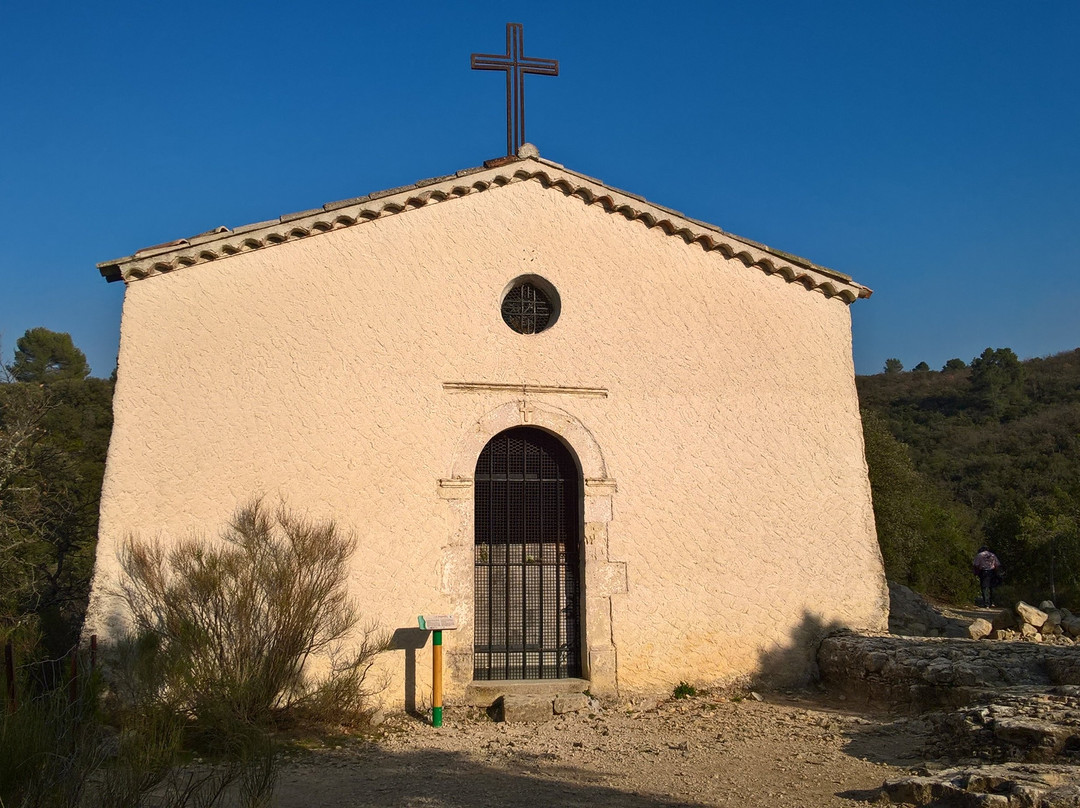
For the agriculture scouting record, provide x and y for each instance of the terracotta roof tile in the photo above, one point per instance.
(174, 255)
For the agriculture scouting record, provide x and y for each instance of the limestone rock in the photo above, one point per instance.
(1031, 732)
(527, 709)
(1066, 796)
(1030, 615)
(1001, 786)
(911, 615)
(1054, 616)
(571, 703)
(927, 674)
(1003, 619)
(911, 790)
(1064, 670)
(1029, 631)
(1046, 605)
(980, 628)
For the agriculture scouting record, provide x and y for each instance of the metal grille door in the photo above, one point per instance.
(527, 616)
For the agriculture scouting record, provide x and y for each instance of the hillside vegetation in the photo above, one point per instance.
(55, 422)
(987, 453)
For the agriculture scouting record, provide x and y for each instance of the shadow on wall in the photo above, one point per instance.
(409, 640)
(795, 663)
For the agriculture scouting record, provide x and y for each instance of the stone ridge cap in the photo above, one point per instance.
(172, 255)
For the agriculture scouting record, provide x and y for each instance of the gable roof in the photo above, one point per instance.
(222, 242)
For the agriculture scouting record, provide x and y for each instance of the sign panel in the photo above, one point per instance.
(438, 622)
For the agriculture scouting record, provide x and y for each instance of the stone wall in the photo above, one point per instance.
(923, 674)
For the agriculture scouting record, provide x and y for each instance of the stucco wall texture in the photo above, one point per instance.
(727, 505)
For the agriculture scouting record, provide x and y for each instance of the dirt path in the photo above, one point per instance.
(705, 751)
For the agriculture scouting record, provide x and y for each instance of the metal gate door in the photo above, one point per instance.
(527, 593)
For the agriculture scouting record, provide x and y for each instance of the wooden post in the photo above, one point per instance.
(435, 624)
(9, 678)
(73, 676)
(436, 678)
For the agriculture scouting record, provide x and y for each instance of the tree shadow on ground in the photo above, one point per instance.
(901, 742)
(374, 777)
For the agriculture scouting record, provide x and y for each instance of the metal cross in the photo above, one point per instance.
(516, 65)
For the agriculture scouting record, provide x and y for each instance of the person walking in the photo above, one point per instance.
(987, 569)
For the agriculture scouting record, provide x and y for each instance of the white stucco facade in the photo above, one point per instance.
(353, 362)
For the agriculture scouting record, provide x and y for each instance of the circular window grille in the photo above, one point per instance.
(530, 306)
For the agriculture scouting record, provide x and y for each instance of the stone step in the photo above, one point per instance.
(485, 694)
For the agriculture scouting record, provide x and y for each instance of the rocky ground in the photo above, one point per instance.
(974, 723)
(788, 750)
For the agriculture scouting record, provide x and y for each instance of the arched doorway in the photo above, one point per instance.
(527, 587)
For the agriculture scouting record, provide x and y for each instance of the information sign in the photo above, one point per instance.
(438, 622)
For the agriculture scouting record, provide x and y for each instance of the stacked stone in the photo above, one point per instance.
(1043, 624)
(924, 674)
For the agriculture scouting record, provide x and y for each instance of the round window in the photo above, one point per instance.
(530, 304)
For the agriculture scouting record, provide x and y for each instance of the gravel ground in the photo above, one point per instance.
(790, 750)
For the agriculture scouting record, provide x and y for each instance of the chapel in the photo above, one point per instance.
(618, 445)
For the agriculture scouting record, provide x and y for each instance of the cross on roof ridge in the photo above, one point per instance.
(516, 65)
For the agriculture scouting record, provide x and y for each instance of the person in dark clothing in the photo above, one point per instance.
(987, 569)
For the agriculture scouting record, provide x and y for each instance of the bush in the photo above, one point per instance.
(684, 690)
(224, 630)
(48, 749)
(55, 754)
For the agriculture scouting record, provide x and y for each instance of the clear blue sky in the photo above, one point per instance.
(930, 149)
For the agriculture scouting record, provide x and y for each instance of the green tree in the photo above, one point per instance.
(22, 410)
(922, 367)
(893, 365)
(997, 382)
(44, 356)
(924, 539)
(954, 364)
(53, 441)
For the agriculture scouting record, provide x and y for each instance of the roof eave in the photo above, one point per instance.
(222, 242)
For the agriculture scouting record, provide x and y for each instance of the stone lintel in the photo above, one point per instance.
(455, 488)
(524, 389)
(600, 486)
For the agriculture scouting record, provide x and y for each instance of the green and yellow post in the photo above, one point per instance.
(436, 678)
(435, 623)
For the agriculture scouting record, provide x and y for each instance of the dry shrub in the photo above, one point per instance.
(48, 750)
(56, 753)
(226, 628)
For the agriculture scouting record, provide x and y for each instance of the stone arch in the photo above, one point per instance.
(604, 577)
(559, 422)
